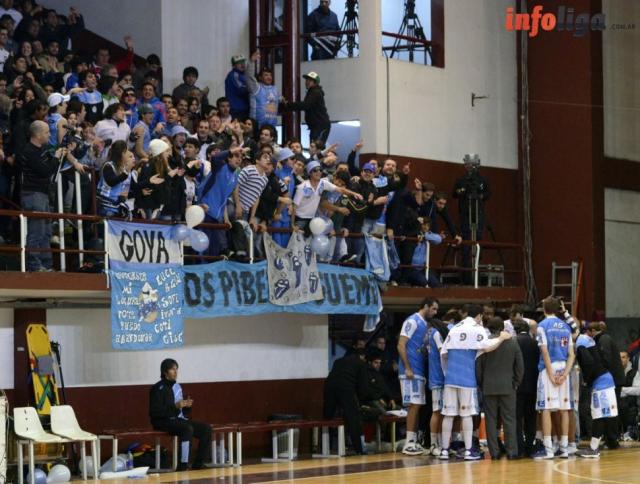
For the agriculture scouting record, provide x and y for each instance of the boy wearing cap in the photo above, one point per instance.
(313, 105)
(235, 87)
(308, 194)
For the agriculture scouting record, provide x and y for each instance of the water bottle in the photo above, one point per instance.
(129, 461)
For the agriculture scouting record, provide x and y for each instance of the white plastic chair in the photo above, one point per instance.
(65, 424)
(26, 424)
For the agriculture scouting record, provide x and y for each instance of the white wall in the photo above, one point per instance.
(621, 71)
(622, 264)
(6, 348)
(205, 34)
(113, 19)
(430, 108)
(266, 347)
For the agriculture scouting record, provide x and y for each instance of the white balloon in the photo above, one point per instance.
(89, 461)
(59, 473)
(317, 225)
(194, 215)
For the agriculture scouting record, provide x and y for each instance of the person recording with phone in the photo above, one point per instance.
(170, 410)
(471, 190)
(38, 166)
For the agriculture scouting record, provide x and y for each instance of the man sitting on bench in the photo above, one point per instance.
(169, 410)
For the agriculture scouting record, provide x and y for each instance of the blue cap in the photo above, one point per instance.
(370, 167)
(176, 130)
(312, 165)
(284, 154)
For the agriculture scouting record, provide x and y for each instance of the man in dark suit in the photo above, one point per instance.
(526, 395)
(499, 373)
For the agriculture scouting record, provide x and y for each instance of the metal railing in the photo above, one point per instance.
(22, 248)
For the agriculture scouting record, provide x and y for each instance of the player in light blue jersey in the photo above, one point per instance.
(438, 331)
(413, 369)
(460, 396)
(556, 360)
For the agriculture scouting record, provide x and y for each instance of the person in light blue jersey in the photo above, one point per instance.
(264, 97)
(413, 369)
(554, 367)
(460, 396)
(438, 331)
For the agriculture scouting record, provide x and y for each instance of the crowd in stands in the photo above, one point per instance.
(450, 367)
(148, 154)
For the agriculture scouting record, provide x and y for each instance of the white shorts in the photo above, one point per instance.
(436, 399)
(413, 391)
(461, 402)
(603, 403)
(574, 387)
(550, 396)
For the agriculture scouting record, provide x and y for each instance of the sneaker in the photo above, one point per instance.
(444, 454)
(183, 466)
(563, 453)
(572, 449)
(627, 437)
(348, 258)
(473, 454)
(542, 454)
(434, 450)
(413, 448)
(588, 453)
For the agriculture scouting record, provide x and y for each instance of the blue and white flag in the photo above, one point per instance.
(146, 308)
(141, 244)
(377, 258)
(292, 272)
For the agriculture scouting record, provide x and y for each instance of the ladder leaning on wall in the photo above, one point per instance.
(566, 283)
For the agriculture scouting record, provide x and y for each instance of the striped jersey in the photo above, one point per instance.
(250, 186)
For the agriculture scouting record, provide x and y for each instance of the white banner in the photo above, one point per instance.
(142, 244)
(292, 272)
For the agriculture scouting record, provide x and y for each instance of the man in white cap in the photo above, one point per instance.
(315, 110)
(56, 121)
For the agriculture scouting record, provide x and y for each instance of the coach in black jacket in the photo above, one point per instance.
(526, 396)
(169, 410)
(315, 110)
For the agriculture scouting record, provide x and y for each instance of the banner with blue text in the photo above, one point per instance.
(234, 289)
(146, 308)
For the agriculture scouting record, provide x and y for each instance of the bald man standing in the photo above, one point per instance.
(38, 166)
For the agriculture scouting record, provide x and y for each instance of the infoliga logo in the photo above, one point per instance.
(565, 18)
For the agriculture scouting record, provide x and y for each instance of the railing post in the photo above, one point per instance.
(476, 266)
(427, 250)
(250, 245)
(79, 212)
(63, 258)
(23, 243)
(106, 244)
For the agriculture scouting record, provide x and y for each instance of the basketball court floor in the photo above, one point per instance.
(614, 467)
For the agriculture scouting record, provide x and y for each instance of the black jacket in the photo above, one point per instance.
(610, 357)
(162, 405)
(530, 357)
(500, 371)
(349, 373)
(38, 165)
(315, 110)
(377, 388)
(475, 185)
(591, 364)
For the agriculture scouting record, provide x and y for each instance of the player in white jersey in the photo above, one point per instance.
(460, 397)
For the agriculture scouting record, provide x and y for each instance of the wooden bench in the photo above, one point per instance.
(384, 420)
(115, 435)
(290, 426)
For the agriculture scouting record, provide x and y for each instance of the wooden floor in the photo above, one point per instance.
(615, 467)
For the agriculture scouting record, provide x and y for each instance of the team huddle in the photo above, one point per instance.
(472, 364)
